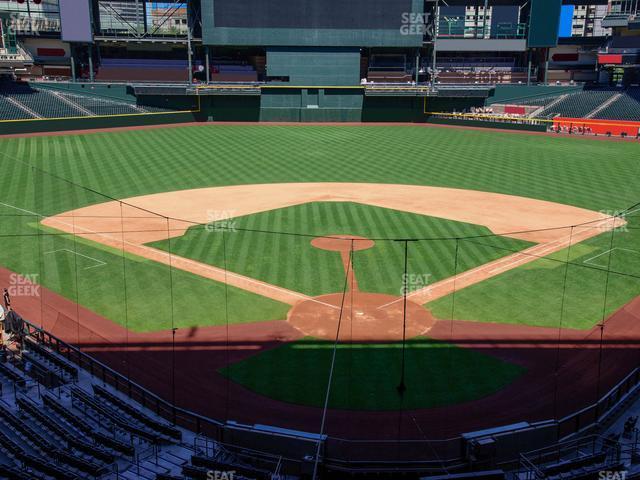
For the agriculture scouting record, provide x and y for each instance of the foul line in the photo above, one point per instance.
(99, 263)
(511, 262)
(589, 261)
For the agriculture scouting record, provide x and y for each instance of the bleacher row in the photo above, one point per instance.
(604, 104)
(20, 101)
(58, 422)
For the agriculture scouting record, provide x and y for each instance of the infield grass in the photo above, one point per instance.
(290, 261)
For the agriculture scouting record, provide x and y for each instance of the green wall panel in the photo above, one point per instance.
(315, 66)
(311, 105)
(392, 109)
(544, 23)
(90, 123)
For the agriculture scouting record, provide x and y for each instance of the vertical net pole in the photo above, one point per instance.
(173, 328)
(560, 324)
(331, 371)
(124, 295)
(604, 315)
(75, 269)
(38, 219)
(226, 322)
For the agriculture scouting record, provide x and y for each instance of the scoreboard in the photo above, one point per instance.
(355, 23)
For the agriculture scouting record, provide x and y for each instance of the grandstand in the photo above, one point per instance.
(59, 421)
(625, 107)
(579, 105)
(23, 101)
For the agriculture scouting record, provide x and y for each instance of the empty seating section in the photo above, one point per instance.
(68, 433)
(84, 429)
(221, 72)
(101, 106)
(137, 69)
(389, 69)
(20, 101)
(482, 75)
(536, 101)
(627, 107)
(475, 62)
(579, 105)
(481, 70)
(41, 102)
(10, 111)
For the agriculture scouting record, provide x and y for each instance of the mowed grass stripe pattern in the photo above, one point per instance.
(289, 260)
(587, 173)
(602, 275)
(437, 374)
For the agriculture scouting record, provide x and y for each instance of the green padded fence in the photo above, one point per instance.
(89, 123)
(315, 66)
(311, 105)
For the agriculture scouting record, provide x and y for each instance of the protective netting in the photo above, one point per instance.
(325, 325)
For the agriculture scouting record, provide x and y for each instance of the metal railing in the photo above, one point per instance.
(340, 453)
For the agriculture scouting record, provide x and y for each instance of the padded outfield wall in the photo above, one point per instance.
(277, 104)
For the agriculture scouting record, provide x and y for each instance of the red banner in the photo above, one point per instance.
(610, 59)
(596, 126)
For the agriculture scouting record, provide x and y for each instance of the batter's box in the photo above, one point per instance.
(624, 256)
(95, 262)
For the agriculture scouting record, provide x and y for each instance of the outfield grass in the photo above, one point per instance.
(602, 275)
(587, 173)
(292, 262)
(437, 374)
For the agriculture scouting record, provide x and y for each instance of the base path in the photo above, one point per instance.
(130, 224)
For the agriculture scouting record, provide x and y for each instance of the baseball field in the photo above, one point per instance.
(259, 272)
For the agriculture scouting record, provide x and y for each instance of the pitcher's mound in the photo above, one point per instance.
(366, 317)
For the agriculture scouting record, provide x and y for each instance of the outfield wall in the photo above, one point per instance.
(13, 127)
(273, 104)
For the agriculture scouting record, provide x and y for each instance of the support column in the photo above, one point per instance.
(484, 19)
(206, 61)
(91, 79)
(529, 68)
(73, 63)
(189, 55)
(436, 28)
(417, 66)
(546, 67)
